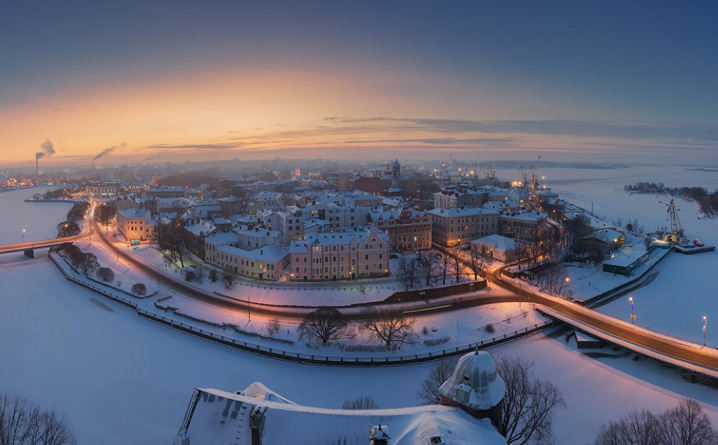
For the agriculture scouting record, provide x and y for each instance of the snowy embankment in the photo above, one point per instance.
(435, 335)
(126, 381)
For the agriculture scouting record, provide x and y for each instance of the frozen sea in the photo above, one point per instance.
(39, 219)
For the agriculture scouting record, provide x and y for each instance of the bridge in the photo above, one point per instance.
(29, 248)
(700, 362)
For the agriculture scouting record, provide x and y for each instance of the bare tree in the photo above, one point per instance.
(686, 424)
(427, 267)
(24, 424)
(273, 326)
(228, 280)
(439, 373)
(325, 325)
(403, 273)
(528, 405)
(553, 282)
(477, 260)
(388, 326)
(361, 402)
(444, 264)
(456, 263)
(638, 428)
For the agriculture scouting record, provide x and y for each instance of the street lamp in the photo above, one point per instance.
(705, 328)
(633, 316)
(23, 236)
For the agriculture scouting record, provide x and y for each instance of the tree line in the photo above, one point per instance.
(707, 201)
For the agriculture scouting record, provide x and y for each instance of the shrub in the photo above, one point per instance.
(190, 276)
(139, 289)
(105, 274)
(490, 328)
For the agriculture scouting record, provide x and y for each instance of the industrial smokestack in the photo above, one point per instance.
(47, 150)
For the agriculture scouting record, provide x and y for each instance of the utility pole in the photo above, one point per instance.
(705, 328)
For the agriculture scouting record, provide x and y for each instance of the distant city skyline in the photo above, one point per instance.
(173, 81)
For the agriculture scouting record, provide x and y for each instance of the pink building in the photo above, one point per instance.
(349, 254)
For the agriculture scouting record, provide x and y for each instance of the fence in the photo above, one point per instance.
(319, 359)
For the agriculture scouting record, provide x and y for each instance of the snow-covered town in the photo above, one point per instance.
(369, 280)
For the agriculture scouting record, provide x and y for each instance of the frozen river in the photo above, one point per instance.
(39, 219)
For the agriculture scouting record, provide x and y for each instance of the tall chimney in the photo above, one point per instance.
(37, 166)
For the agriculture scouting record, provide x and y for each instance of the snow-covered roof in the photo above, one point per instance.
(223, 417)
(475, 383)
(526, 216)
(270, 252)
(222, 238)
(625, 257)
(458, 211)
(607, 235)
(135, 213)
(334, 238)
(498, 242)
(203, 227)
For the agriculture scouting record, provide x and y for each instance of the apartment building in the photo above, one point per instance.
(349, 254)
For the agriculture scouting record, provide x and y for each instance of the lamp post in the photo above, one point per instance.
(705, 328)
(23, 236)
(633, 316)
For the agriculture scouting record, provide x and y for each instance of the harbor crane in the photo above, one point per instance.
(676, 231)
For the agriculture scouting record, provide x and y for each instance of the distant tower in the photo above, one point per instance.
(396, 174)
(475, 387)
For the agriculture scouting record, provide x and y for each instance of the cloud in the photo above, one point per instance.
(47, 150)
(438, 141)
(601, 129)
(217, 146)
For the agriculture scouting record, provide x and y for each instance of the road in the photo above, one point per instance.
(616, 328)
(661, 344)
(656, 342)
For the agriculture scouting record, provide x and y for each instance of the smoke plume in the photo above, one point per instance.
(47, 150)
(106, 151)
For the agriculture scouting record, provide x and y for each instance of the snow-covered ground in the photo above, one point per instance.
(123, 380)
(39, 219)
(433, 333)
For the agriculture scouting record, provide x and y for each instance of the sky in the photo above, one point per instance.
(618, 81)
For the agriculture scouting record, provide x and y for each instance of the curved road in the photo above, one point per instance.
(662, 344)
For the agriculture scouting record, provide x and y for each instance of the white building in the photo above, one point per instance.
(466, 415)
(456, 226)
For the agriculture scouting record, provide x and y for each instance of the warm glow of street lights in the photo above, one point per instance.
(633, 316)
(705, 328)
